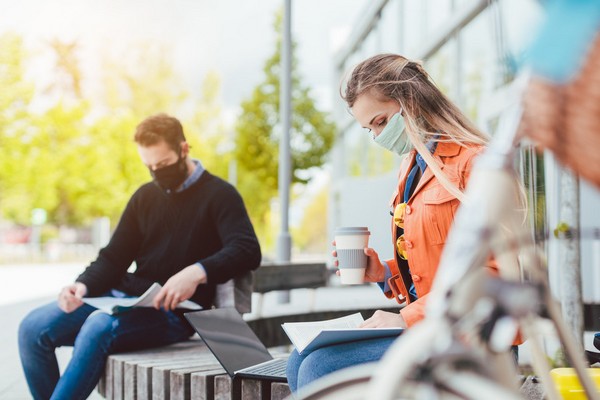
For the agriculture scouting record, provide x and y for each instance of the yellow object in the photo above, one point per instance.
(567, 382)
(399, 215)
(401, 247)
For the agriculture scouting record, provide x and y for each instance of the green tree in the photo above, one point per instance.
(77, 158)
(141, 82)
(311, 234)
(257, 139)
(206, 130)
(15, 96)
(68, 76)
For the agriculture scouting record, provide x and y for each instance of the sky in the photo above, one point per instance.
(233, 37)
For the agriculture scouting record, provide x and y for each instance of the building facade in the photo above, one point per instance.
(472, 49)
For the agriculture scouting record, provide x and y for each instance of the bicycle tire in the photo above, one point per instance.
(353, 384)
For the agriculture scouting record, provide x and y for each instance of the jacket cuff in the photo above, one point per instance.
(385, 287)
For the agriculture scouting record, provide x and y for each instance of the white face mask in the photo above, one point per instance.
(393, 137)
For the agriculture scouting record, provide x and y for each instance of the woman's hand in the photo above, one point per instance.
(384, 319)
(374, 272)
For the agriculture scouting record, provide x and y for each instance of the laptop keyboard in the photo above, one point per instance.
(275, 368)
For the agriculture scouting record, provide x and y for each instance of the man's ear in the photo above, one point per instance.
(185, 149)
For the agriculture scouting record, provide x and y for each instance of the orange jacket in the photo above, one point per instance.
(427, 220)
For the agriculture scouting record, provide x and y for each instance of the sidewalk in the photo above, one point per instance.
(22, 288)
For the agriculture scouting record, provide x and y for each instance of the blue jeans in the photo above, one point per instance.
(93, 339)
(303, 369)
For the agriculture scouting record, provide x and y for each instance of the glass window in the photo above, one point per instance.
(355, 143)
(413, 27)
(363, 156)
(438, 13)
(372, 43)
(391, 27)
(531, 165)
(462, 3)
(479, 65)
(442, 69)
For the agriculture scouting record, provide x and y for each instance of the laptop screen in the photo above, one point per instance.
(229, 338)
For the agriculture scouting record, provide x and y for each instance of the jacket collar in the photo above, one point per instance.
(443, 149)
(447, 149)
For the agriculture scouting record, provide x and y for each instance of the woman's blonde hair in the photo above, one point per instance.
(429, 115)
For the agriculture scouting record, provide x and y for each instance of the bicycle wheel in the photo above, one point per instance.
(346, 384)
(353, 384)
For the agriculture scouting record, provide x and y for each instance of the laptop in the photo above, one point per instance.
(234, 344)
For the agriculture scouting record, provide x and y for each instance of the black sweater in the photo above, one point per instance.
(163, 234)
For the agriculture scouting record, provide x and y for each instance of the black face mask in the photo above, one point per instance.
(170, 177)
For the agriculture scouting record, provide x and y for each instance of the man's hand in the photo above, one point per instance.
(179, 287)
(374, 272)
(70, 297)
(384, 319)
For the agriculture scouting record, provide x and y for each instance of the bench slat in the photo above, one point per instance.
(145, 385)
(224, 387)
(180, 380)
(280, 391)
(202, 384)
(161, 374)
(119, 382)
(253, 389)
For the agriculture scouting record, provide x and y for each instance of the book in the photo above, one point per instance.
(115, 305)
(308, 336)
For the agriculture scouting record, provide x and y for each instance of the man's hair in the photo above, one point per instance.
(160, 127)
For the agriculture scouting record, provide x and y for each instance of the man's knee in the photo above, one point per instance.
(34, 330)
(28, 329)
(97, 331)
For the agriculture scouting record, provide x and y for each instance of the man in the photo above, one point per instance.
(187, 230)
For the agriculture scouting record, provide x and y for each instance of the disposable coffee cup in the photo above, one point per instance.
(350, 243)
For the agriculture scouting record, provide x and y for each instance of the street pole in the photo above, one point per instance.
(284, 241)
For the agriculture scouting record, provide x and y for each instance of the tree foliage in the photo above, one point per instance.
(258, 134)
(311, 235)
(15, 96)
(67, 146)
(76, 158)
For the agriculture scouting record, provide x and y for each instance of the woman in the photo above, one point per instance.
(394, 99)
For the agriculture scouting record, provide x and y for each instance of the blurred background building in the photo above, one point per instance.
(472, 50)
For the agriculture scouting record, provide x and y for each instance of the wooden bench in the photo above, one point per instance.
(188, 370)
(181, 371)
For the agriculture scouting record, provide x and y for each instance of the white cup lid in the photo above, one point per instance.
(352, 230)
